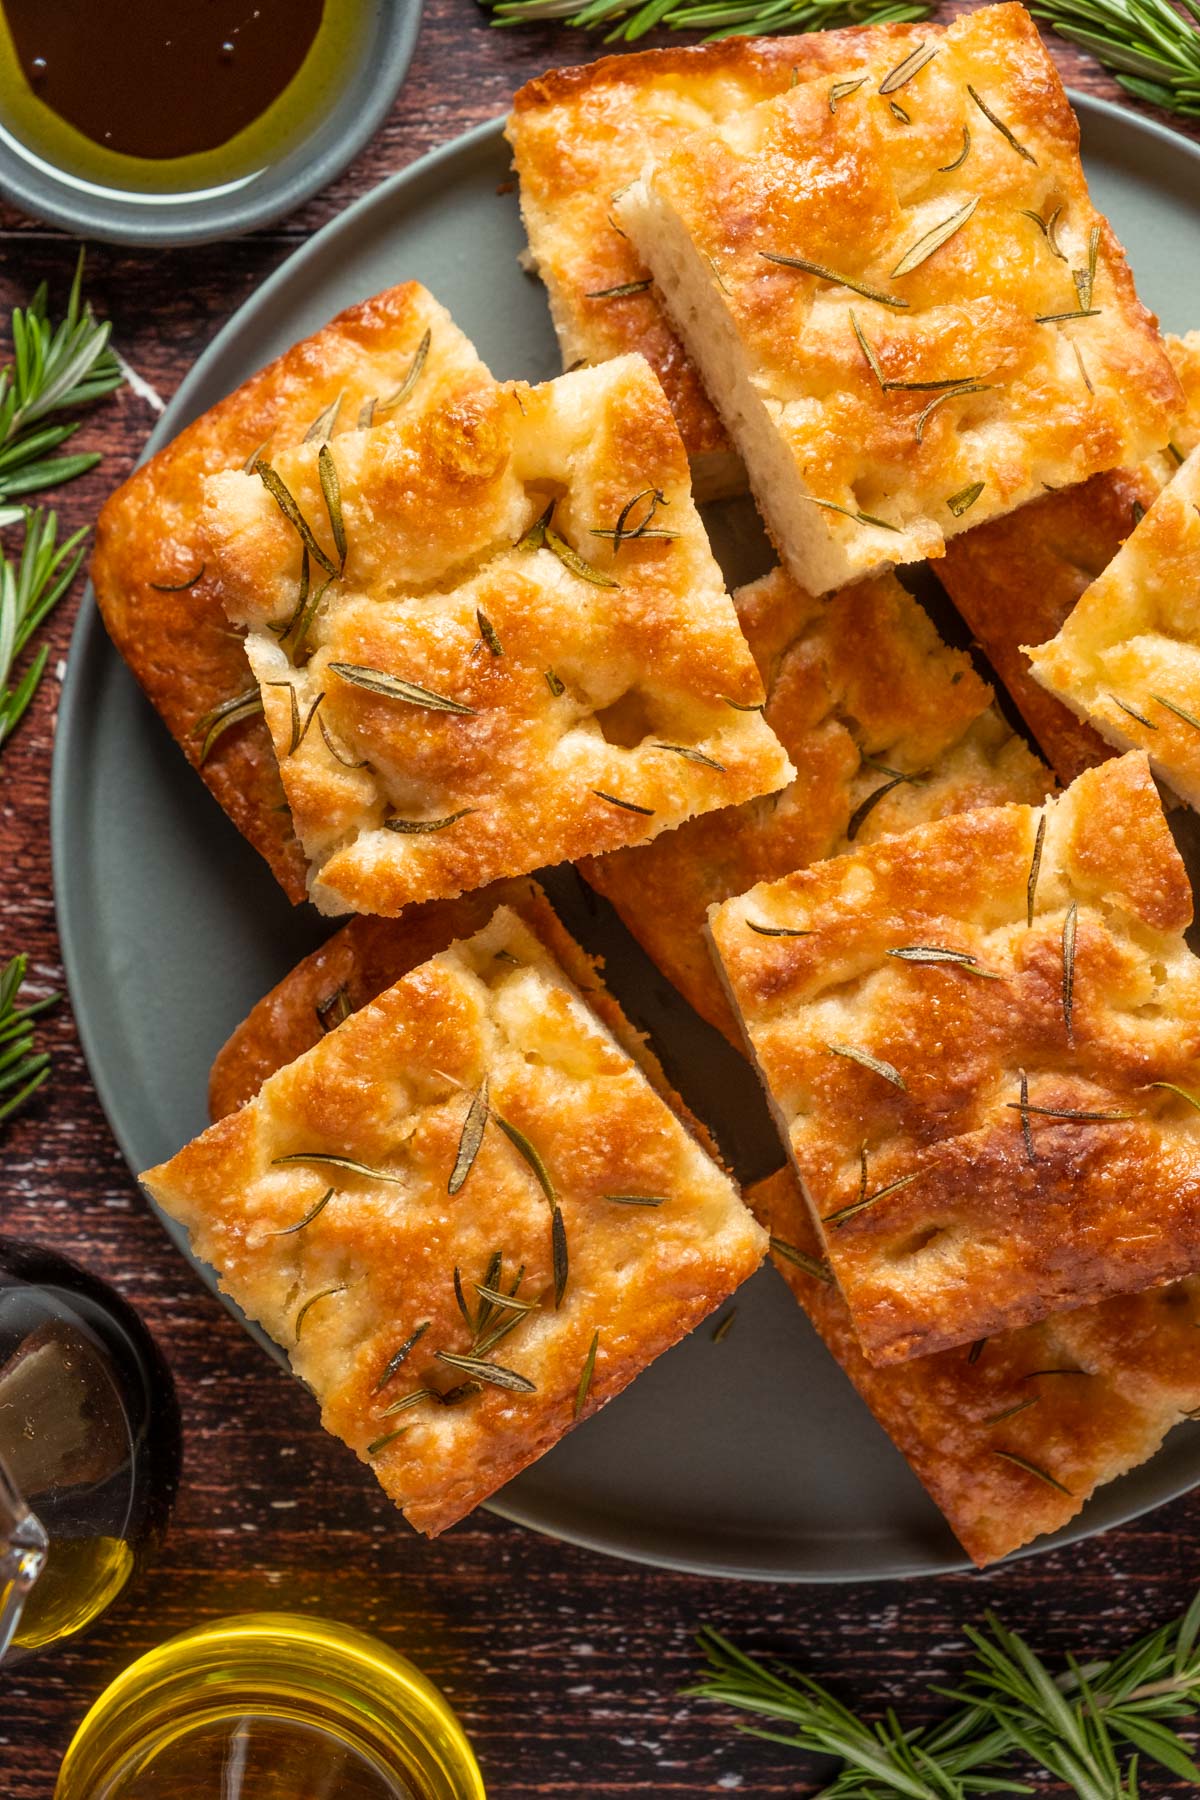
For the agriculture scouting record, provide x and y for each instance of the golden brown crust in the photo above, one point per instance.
(367, 955)
(1128, 657)
(606, 716)
(578, 136)
(849, 188)
(990, 1225)
(1082, 1397)
(1016, 579)
(391, 1088)
(179, 645)
(858, 686)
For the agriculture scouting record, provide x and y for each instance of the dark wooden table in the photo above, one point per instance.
(563, 1664)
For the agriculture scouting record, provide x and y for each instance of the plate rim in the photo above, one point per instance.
(89, 640)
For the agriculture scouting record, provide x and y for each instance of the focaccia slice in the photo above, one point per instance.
(1014, 1434)
(1015, 579)
(367, 955)
(887, 727)
(491, 678)
(979, 1040)
(158, 593)
(897, 348)
(1128, 657)
(475, 1127)
(581, 135)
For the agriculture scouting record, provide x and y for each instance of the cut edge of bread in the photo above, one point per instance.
(690, 290)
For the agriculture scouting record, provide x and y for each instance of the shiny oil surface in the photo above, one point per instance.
(148, 97)
(271, 1706)
(259, 1756)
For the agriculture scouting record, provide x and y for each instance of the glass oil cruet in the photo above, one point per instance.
(89, 1447)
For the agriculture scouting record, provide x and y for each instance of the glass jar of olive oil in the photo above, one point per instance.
(271, 1706)
(89, 1447)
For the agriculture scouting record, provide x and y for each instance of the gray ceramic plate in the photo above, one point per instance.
(753, 1458)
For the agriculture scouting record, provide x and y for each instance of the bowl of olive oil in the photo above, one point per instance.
(271, 1706)
(145, 123)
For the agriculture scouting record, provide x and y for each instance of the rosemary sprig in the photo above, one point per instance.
(1035, 869)
(965, 498)
(531, 1155)
(1070, 927)
(389, 1437)
(488, 635)
(1005, 132)
(585, 1379)
(864, 1200)
(876, 1064)
(558, 1253)
(30, 589)
(622, 290)
(820, 1271)
(324, 1294)
(835, 278)
(957, 392)
(336, 1162)
(1153, 50)
(22, 1069)
(938, 953)
(394, 687)
(628, 20)
(410, 380)
(179, 587)
(313, 1213)
(1078, 1725)
(841, 90)
(861, 518)
(420, 827)
(399, 1357)
(1179, 711)
(289, 506)
(623, 532)
(904, 71)
(474, 1126)
(322, 426)
(934, 238)
(333, 1010)
(221, 718)
(493, 1373)
(692, 755)
(625, 805)
(960, 159)
(54, 368)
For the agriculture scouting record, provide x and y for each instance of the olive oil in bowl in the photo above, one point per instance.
(158, 98)
(271, 1706)
(177, 121)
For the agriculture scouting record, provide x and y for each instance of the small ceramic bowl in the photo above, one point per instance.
(88, 208)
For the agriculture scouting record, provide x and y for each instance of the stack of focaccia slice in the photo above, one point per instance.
(429, 631)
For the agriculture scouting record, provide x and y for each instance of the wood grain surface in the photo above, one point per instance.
(564, 1665)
